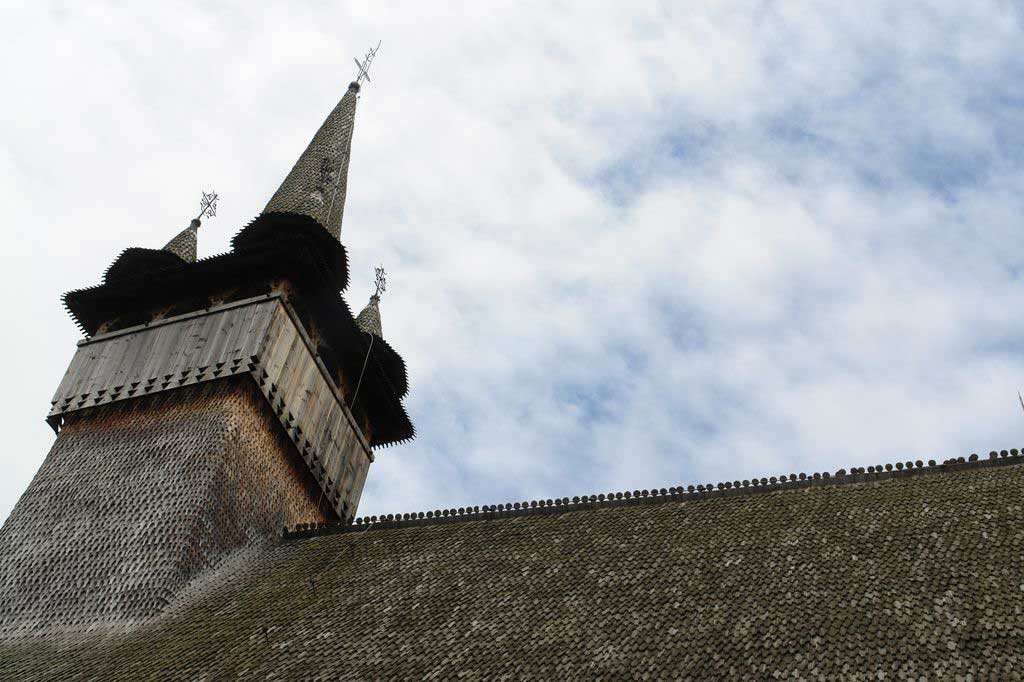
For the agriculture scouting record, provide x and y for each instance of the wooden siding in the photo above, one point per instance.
(260, 337)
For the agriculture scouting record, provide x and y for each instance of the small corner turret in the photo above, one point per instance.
(185, 243)
(368, 318)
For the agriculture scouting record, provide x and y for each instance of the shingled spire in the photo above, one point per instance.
(185, 243)
(317, 183)
(368, 318)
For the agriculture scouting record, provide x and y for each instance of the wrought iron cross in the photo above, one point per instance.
(208, 205)
(380, 280)
(364, 66)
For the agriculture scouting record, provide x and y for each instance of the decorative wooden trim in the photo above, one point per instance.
(261, 337)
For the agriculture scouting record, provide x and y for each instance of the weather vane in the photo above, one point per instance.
(380, 280)
(364, 66)
(208, 205)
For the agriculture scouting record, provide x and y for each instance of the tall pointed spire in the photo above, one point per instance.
(368, 318)
(185, 243)
(317, 184)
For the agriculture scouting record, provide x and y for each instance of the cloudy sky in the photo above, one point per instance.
(627, 248)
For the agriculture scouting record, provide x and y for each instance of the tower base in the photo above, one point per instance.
(135, 499)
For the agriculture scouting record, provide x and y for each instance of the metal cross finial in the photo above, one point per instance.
(364, 66)
(208, 205)
(380, 280)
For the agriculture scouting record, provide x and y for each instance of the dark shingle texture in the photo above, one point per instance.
(368, 318)
(317, 183)
(908, 578)
(136, 499)
(185, 243)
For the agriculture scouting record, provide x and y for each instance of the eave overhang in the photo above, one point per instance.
(274, 246)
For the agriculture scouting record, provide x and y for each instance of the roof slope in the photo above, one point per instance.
(906, 577)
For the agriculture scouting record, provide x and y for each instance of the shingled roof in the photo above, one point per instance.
(185, 243)
(316, 186)
(890, 574)
(368, 318)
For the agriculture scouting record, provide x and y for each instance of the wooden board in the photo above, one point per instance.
(260, 337)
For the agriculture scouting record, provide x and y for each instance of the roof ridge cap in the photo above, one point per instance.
(656, 496)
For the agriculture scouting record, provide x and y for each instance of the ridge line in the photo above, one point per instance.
(743, 488)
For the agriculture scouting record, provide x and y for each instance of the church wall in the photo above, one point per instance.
(136, 499)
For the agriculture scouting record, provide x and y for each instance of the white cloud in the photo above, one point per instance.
(627, 248)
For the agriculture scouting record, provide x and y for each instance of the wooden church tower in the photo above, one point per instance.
(211, 403)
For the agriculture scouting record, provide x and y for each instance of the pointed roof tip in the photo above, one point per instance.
(368, 318)
(186, 243)
(317, 183)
